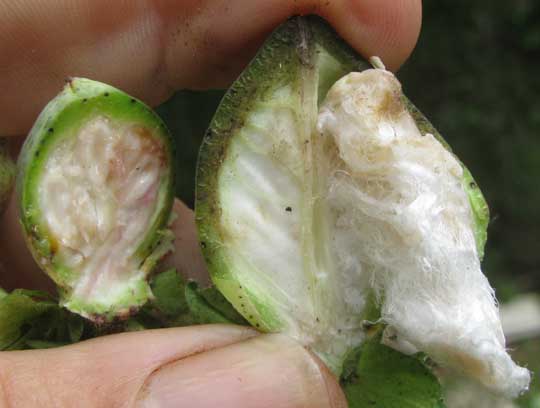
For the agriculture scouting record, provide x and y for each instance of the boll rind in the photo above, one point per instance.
(91, 135)
(300, 239)
(290, 58)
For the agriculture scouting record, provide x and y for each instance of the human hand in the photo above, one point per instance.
(149, 49)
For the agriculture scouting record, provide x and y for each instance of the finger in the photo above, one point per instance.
(152, 47)
(269, 371)
(17, 266)
(104, 372)
(187, 256)
(205, 366)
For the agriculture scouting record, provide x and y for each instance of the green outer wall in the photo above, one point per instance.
(80, 100)
(277, 62)
(284, 55)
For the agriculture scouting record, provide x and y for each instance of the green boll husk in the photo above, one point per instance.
(293, 70)
(95, 192)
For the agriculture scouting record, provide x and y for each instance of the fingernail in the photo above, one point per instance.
(266, 371)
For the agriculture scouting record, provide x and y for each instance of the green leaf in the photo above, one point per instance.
(75, 326)
(178, 302)
(385, 378)
(348, 373)
(218, 302)
(33, 319)
(41, 344)
(134, 325)
(168, 288)
(200, 309)
(17, 311)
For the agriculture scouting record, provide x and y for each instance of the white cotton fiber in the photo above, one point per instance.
(400, 208)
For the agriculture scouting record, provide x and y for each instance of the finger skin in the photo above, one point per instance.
(270, 371)
(17, 266)
(204, 366)
(187, 257)
(103, 372)
(149, 48)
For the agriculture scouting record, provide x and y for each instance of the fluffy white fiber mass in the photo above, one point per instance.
(402, 212)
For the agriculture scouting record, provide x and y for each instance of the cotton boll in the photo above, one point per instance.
(400, 208)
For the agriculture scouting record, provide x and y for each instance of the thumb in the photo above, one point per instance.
(202, 366)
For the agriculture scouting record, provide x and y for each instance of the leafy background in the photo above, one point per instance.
(476, 74)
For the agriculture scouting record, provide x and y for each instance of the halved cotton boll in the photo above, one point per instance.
(398, 200)
(95, 194)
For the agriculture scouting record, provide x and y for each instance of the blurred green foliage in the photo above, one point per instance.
(528, 352)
